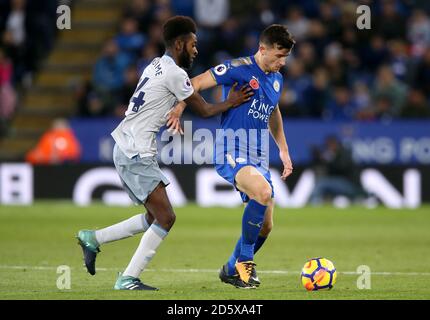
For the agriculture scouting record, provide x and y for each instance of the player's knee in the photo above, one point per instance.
(264, 196)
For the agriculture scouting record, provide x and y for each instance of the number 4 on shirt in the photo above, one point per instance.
(138, 100)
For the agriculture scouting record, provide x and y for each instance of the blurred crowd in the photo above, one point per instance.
(27, 34)
(335, 72)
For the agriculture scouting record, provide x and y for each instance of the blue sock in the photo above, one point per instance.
(232, 260)
(231, 270)
(252, 222)
(259, 243)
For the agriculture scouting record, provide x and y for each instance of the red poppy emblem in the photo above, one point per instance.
(254, 84)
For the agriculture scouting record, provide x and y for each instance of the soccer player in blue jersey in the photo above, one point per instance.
(241, 148)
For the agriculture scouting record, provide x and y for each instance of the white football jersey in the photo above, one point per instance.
(161, 86)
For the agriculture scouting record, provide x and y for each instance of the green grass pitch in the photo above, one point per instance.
(395, 244)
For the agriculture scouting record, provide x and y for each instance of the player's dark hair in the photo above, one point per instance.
(177, 26)
(277, 34)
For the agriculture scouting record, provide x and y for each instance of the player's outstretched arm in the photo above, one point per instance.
(201, 82)
(234, 99)
(276, 128)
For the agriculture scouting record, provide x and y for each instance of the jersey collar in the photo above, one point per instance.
(169, 57)
(258, 67)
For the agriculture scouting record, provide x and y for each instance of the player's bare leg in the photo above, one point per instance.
(250, 181)
(159, 205)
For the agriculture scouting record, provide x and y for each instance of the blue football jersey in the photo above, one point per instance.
(244, 136)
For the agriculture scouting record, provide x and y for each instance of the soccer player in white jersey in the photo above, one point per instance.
(162, 84)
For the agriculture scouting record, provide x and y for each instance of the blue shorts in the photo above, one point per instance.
(228, 172)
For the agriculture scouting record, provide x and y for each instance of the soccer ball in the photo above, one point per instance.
(318, 274)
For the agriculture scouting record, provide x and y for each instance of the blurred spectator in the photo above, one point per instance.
(390, 24)
(183, 7)
(362, 100)
(149, 52)
(15, 24)
(129, 40)
(42, 27)
(333, 61)
(317, 36)
(340, 106)
(383, 108)
(156, 37)
(306, 52)
(230, 33)
(142, 12)
(336, 173)
(131, 79)
(388, 93)
(251, 44)
(419, 32)
(374, 55)
(400, 63)
(416, 106)
(351, 63)
(7, 93)
(265, 14)
(95, 105)
(422, 75)
(347, 14)
(297, 83)
(329, 17)
(109, 70)
(162, 11)
(27, 34)
(349, 39)
(211, 13)
(317, 94)
(89, 102)
(58, 145)
(14, 36)
(297, 24)
(310, 7)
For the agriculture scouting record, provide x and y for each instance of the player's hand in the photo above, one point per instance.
(288, 165)
(240, 96)
(174, 120)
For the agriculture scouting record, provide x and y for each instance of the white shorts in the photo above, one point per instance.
(140, 176)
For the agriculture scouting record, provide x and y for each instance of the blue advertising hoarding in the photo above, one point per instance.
(395, 143)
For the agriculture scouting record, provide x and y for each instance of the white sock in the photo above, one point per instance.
(123, 229)
(146, 250)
